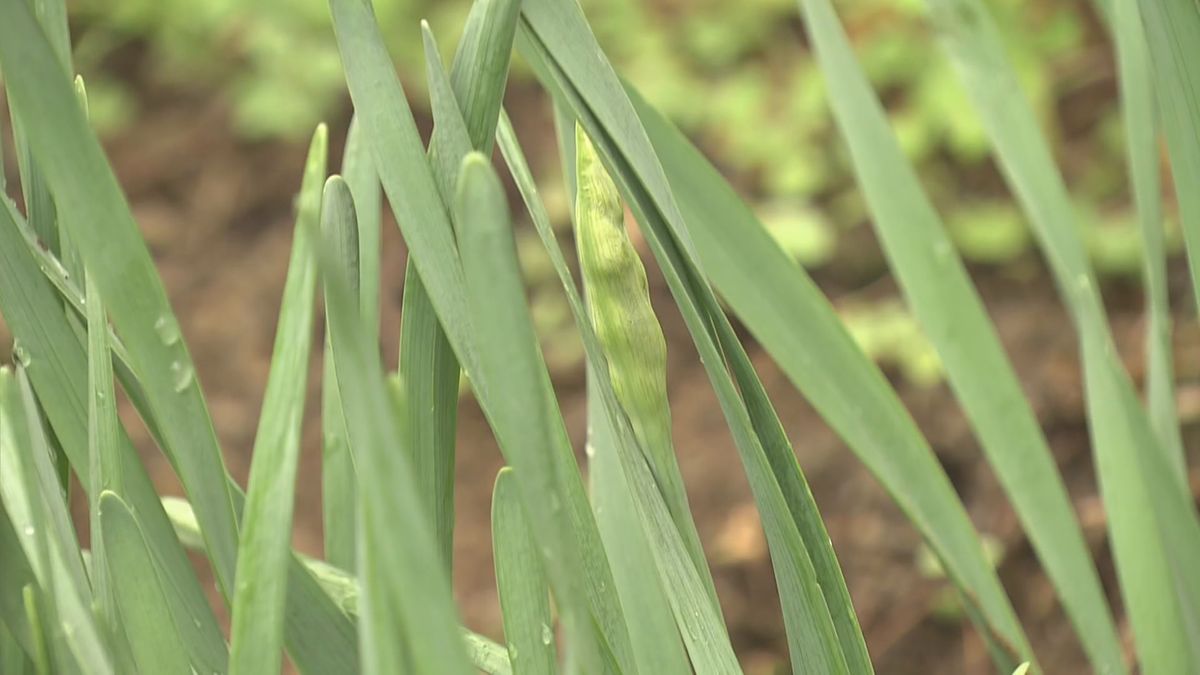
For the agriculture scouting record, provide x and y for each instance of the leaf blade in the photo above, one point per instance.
(259, 596)
(521, 582)
(405, 587)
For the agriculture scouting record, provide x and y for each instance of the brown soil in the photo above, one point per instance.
(216, 214)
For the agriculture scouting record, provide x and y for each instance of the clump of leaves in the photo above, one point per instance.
(621, 562)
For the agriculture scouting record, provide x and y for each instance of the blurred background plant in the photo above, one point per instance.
(736, 76)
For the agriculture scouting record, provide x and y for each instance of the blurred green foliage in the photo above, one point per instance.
(736, 76)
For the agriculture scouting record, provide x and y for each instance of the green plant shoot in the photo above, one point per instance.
(618, 300)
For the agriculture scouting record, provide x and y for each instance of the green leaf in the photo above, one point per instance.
(104, 466)
(258, 603)
(339, 490)
(15, 575)
(568, 539)
(427, 360)
(1157, 535)
(340, 585)
(36, 506)
(510, 355)
(57, 368)
(69, 251)
(91, 204)
(431, 372)
(652, 628)
(1139, 82)
(319, 637)
(815, 644)
(13, 659)
(39, 203)
(41, 656)
(952, 315)
(339, 495)
(618, 303)
(521, 582)
(479, 72)
(92, 207)
(408, 611)
(818, 355)
(358, 168)
(1172, 34)
(149, 623)
(654, 636)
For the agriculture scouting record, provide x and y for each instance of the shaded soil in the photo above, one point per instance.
(216, 213)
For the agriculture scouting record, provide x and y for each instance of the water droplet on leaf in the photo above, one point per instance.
(167, 329)
(181, 375)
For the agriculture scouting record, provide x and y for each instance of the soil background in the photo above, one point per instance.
(217, 215)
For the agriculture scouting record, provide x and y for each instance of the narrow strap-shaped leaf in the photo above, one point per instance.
(339, 493)
(13, 658)
(952, 315)
(104, 465)
(52, 16)
(39, 203)
(1140, 468)
(68, 250)
(90, 203)
(406, 589)
(15, 574)
(41, 654)
(358, 169)
(83, 182)
(58, 275)
(1172, 34)
(37, 610)
(521, 582)
(37, 508)
(339, 482)
(611, 271)
(427, 360)
(399, 158)
(814, 350)
(479, 72)
(814, 640)
(654, 636)
(569, 538)
(510, 355)
(149, 623)
(57, 368)
(812, 637)
(618, 301)
(973, 42)
(1145, 545)
(340, 585)
(430, 370)
(258, 601)
(1139, 114)
(791, 479)
(652, 629)
(320, 638)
